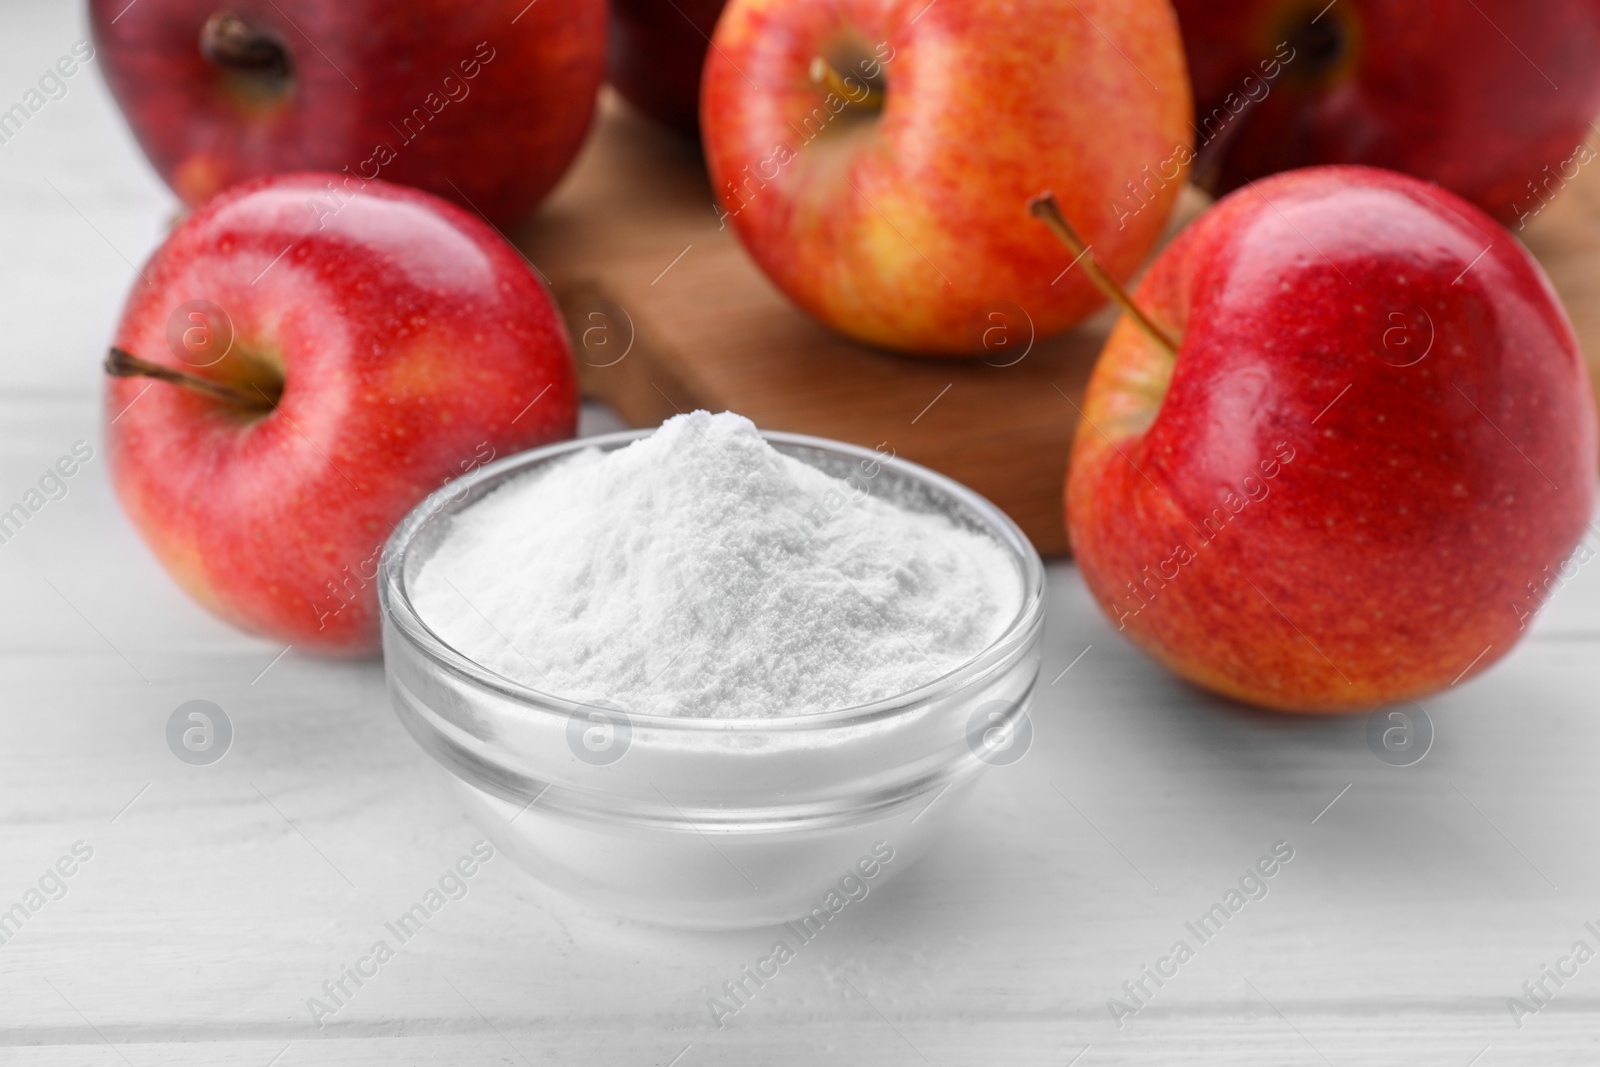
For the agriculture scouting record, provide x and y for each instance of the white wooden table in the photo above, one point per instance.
(218, 899)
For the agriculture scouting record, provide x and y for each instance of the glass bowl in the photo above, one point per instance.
(713, 823)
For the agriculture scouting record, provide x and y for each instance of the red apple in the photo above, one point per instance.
(872, 155)
(1489, 98)
(483, 103)
(323, 373)
(1376, 433)
(658, 48)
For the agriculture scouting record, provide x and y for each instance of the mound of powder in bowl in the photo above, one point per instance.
(700, 572)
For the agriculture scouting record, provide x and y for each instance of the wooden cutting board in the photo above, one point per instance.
(668, 314)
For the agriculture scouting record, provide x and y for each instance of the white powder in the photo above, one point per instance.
(701, 572)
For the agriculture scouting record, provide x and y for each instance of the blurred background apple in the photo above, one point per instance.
(1480, 96)
(658, 48)
(483, 103)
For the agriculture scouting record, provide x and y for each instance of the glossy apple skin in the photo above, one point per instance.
(1373, 527)
(496, 142)
(1428, 87)
(904, 228)
(658, 48)
(414, 344)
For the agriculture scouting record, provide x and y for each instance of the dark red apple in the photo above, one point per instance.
(658, 48)
(297, 381)
(1374, 435)
(484, 103)
(1481, 96)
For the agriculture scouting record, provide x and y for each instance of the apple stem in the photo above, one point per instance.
(1044, 208)
(230, 42)
(864, 94)
(123, 364)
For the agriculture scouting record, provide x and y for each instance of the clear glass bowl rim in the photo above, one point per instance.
(396, 606)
